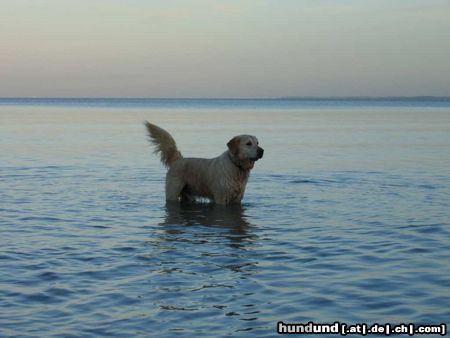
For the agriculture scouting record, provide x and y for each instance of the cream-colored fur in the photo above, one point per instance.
(221, 179)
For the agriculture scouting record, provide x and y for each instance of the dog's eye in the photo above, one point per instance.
(249, 144)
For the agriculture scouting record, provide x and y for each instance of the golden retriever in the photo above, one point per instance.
(221, 179)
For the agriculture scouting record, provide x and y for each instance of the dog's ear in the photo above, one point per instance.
(233, 145)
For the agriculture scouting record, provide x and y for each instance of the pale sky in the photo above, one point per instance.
(232, 48)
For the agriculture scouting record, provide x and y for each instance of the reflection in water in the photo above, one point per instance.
(232, 218)
(206, 251)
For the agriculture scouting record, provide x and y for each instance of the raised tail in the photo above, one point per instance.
(164, 144)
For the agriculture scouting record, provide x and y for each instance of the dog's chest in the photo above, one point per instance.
(236, 194)
(235, 190)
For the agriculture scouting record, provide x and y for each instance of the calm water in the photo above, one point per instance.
(346, 218)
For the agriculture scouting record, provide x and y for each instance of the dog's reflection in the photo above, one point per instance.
(232, 218)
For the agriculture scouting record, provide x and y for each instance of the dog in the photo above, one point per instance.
(221, 180)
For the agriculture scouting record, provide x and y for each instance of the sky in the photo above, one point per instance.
(232, 48)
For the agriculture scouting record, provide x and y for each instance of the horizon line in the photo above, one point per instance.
(362, 97)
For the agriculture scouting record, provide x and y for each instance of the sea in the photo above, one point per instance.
(345, 219)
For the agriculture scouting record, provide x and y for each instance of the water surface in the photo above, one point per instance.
(346, 218)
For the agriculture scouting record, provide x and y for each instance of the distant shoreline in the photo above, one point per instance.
(295, 98)
(369, 98)
(231, 103)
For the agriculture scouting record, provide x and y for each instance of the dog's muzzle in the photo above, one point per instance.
(260, 152)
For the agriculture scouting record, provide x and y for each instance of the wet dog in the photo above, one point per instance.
(221, 179)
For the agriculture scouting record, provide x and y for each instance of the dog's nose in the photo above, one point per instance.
(260, 152)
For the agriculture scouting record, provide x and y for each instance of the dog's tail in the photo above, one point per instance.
(164, 144)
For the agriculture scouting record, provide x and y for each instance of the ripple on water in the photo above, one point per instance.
(102, 255)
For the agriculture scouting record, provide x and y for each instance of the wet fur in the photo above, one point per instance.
(221, 179)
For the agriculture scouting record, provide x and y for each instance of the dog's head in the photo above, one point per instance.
(245, 151)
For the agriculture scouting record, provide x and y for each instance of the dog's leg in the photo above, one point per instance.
(220, 199)
(174, 186)
(186, 197)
